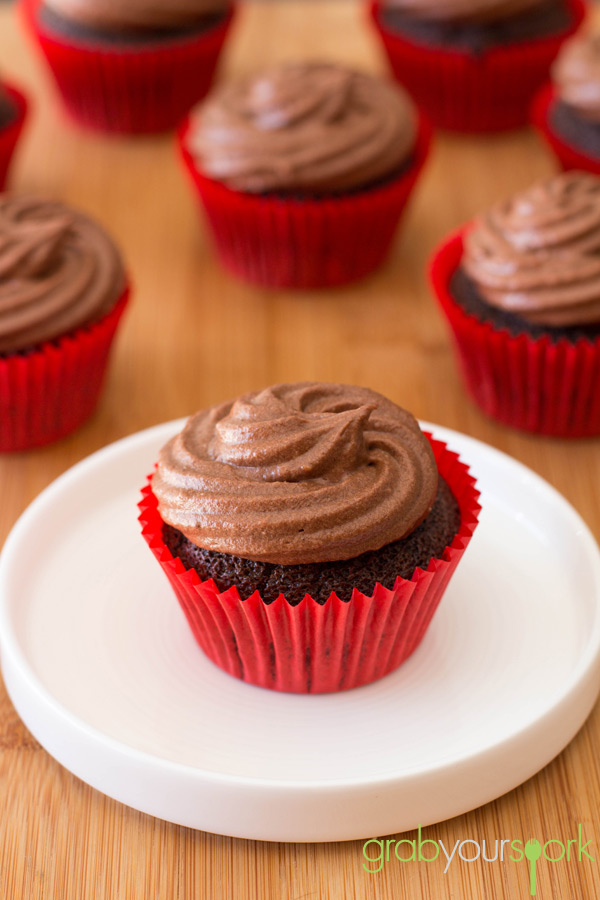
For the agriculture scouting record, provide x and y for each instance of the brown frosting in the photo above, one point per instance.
(538, 254)
(59, 270)
(468, 11)
(313, 127)
(576, 75)
(127, 15)
(297, 473)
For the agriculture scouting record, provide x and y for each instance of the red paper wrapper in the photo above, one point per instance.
(311, 648)
(461, 91)
(536, 384)
(569, 156)
(305, 243)
(134, 90)
(51, 390)
(9, 135)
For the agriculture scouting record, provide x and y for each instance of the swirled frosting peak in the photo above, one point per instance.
(538, 254)
(576, 75)
(468, 11)
(311, 127)
(131, 15)
(297, 473)
(58, 271)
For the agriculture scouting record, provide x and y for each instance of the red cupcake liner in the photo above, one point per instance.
(311, 648)
(51, 390)
(535, 384)
(460, 91)
(132, 90)
(305, 243)
(10, 134)
(568, 156)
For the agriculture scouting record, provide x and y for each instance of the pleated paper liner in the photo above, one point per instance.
(468, 92)
(278, 241)
(49, 391)
(568, 156)
(130, 89)
(535, 384)
(312, 648)
(10, 134)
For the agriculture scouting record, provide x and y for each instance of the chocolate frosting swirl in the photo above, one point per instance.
(468, 11)
(131, 15)
(576, 75)
(313, 127)
(538, 254)
(297, 473)
(59, 270)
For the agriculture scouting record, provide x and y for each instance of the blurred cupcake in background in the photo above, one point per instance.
(303, 171)
(474, 65)
(62, 293)
(520, 288)
(567, 111)
(133, 67)
(13, 111)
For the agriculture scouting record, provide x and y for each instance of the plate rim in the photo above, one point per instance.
(9, 644)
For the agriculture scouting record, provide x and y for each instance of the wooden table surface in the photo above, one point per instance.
(195, 336)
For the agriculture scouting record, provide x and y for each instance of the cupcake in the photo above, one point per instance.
(567, 111)
(13, 110)
(521, 290)
(474, 65)
(309, 531)
(134, 67)
(62, 293)
(303, 171)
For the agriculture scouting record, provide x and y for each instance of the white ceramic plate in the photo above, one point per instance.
(99, 663)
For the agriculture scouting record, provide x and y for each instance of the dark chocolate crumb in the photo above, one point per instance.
(582, 135)
(543, 21)
(8, 110)
(465, 293)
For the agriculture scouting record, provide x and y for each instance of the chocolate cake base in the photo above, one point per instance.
(59, 25)
(312, 196)
(8, 111)
(465, 293)
(582, 135)
(546, 20)
(400, 558)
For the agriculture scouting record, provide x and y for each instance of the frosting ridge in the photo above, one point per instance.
(316, 127)
(59, 270)
(297, 473)
(538, 254)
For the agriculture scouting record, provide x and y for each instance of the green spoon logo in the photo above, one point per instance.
(533, 851)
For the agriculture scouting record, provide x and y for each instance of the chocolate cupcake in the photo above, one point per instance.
(521, 289)
(475, 65)
(308, 530)
(132, 67)
(303, 171)
(62, 293)
(567, 112)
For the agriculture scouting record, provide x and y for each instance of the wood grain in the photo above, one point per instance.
(195, 336)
